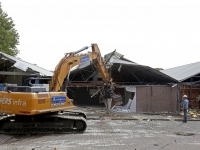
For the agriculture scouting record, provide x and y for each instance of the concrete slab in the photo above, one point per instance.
(112, 135)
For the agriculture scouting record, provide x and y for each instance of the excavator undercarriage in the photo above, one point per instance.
(62, 122)
(36, 111)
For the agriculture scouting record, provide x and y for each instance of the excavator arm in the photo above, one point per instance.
(96, 57)
(72, 59)
(63, 69)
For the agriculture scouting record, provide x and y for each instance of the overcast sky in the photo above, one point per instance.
(157, 33)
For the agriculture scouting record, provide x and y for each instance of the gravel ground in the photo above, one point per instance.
(114, 134)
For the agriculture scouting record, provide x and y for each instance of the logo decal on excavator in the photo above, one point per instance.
(58, 101)
(84, 59)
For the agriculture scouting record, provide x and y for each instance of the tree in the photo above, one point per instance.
(9, 38)
(159, 69)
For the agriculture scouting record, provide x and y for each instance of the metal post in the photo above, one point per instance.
(178, 97)
(191, 80)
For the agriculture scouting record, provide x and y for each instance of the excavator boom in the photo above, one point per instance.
(72, 59)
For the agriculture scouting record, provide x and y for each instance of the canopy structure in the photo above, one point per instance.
(8, 62)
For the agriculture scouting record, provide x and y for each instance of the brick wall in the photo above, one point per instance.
(156, 98)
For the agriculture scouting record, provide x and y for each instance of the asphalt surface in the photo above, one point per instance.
(114, 134)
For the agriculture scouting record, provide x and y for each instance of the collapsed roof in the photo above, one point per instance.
(122, 71)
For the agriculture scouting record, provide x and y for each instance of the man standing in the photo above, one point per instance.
(185, 107)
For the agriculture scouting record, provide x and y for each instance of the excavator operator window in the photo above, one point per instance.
(18, 88)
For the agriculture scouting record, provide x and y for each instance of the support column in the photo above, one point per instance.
(178, 98)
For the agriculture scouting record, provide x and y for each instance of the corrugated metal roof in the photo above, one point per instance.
(141, 70)
(184, 72)
(33, 67)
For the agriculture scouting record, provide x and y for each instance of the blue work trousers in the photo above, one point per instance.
(185, 115)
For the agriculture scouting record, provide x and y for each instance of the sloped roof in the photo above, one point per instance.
(30, 66)
(184, 72)
(132, 72)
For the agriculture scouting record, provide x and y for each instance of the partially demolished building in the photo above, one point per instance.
(149, 89)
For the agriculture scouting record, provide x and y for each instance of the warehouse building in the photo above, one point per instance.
(189, 83)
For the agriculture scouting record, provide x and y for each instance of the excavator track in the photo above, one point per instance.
(75, 113)
(43, 124)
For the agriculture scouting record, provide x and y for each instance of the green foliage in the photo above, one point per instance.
(198, 98)
(9, 38)
(159, 69)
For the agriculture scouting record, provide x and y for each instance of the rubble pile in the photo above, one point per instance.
(193, 113)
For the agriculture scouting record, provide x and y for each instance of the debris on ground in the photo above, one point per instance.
(129, 107)
(184, 134)
(194, 113)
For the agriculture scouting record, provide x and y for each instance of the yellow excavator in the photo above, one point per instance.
(33, 109)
